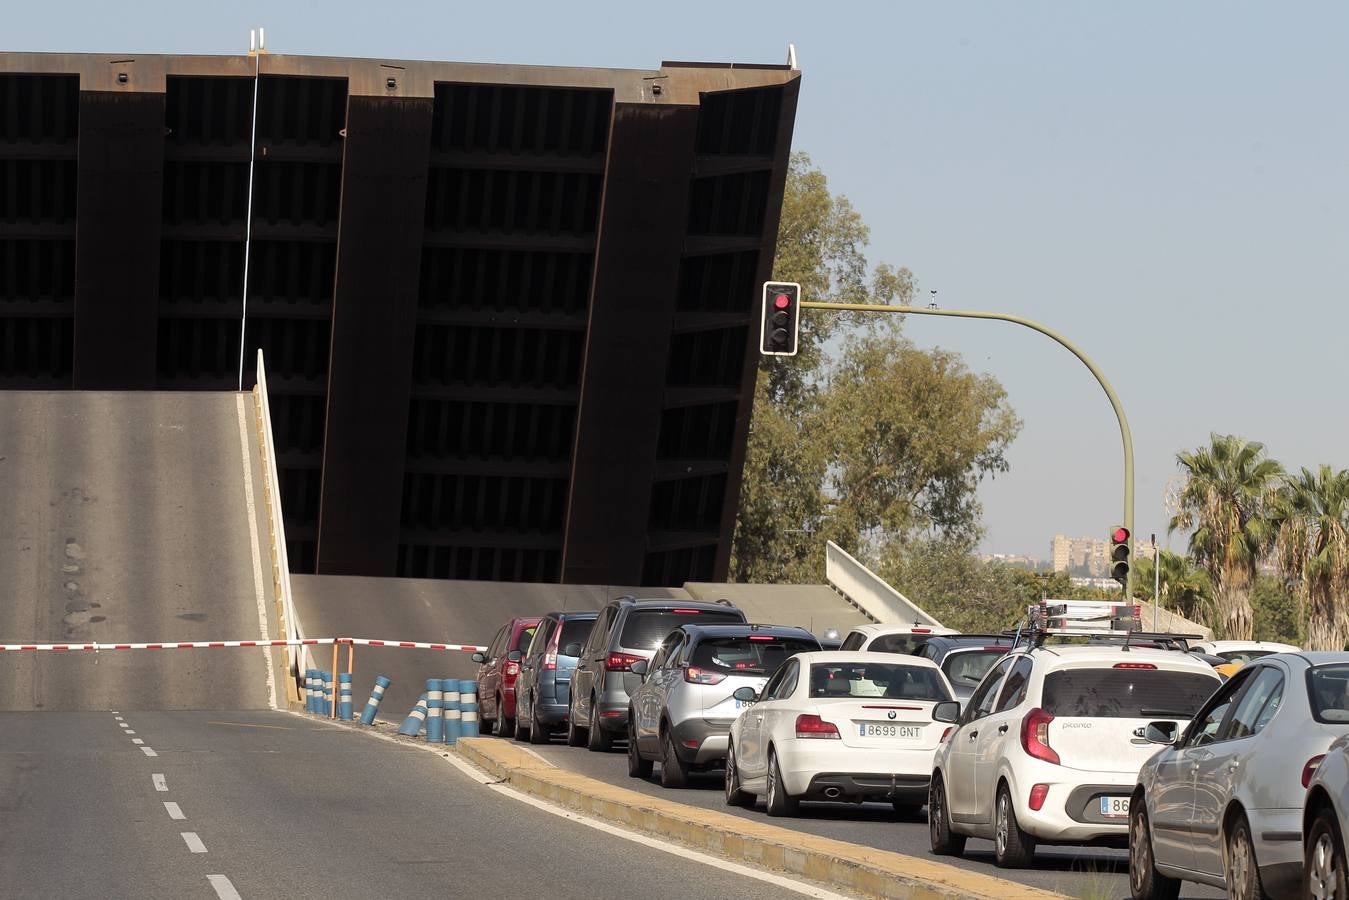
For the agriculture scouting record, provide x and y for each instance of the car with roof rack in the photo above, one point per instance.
(1048, 749)
(891, 637)
(681, 714)
(964, 658)
(1222, 803)
(627, 630)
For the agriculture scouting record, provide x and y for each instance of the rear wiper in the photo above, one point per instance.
(1166, 713)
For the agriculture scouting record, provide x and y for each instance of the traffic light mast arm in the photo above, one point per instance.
(1048, 332)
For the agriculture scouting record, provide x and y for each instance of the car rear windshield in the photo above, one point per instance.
(1328, 688)
(758, 655)
(523, 638)
(891, 681)
(1244, 656)
(575, 631)
(968, 667)
(1126, 693)
(646, 628)
(896, 643)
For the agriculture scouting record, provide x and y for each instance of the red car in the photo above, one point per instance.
(497, 670)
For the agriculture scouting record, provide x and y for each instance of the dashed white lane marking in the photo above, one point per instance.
(129, 732)
(113, 711)
(173, 810)
(788, 884)
(223, 889)
(137, 741)
(118, 718)
(253, 545)
(193, 842)
(148, 752)
(159, 782)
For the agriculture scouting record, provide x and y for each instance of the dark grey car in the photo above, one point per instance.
(543, 688)
(626, 631)
(964, 658)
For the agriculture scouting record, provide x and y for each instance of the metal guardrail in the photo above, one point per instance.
(869, 591)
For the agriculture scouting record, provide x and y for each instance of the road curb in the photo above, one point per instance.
(845, 866)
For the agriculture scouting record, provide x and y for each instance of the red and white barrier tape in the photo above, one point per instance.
(187, 645)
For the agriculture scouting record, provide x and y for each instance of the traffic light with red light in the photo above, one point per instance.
(1121, 553)
(781, 324)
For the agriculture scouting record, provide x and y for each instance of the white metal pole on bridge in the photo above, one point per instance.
(256, 51)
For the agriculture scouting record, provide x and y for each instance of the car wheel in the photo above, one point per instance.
(637, 766)
(780, 803)
(538, 731)
(1145, 882)
(735, 795)
(945, 842)
(576, 736)
(597, 738)
(504, 727)
(1012, 847)
(1240, 870)
(674, 772)
(521, 726)
(1325, 874)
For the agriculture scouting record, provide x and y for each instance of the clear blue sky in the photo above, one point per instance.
(1165, 183)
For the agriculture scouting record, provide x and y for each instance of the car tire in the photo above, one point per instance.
(735, 795)
(1325, 875)
(521, 727)
(945, 842)
(674, 772)
(504, 727)
(780, 803)
(1145, 882)
(538, 731)
(597, 739)
(637, 766)
(576, 736)
(1241, 871)
(1012, 847)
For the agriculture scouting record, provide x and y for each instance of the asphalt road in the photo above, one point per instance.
(125, 519)
(284, 806)
(1080, 872)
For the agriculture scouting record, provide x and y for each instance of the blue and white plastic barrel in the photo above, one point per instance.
(468, 707)
(413, 723)
(435, 708)
(344, 700)
(376, 695)
(451, 686)
(310, 693)
(327, 693)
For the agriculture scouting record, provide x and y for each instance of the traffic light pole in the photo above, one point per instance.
(1048, 332)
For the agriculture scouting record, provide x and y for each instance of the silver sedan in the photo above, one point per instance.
(1221, 804)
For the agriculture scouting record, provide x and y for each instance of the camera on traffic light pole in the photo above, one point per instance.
(1121, 553)
(781, 323)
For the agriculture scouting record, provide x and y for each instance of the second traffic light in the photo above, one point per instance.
(1121, 553)
(781, 323)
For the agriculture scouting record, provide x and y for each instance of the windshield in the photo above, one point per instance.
(758, 655)
(646, 628)
(1328, 690)
(1244, 656)
(523, 638)
(896, 643)
(1126, 693)
(968, 667)
(891, 681)
(574, 631)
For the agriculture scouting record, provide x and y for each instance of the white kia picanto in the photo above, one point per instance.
(1049, 746)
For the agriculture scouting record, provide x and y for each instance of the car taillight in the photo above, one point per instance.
(1038, 792)
(946, 734)
(1035, 736)
(1133, 666)
(695, 675)
(920, 630)
(1310, 768)
(762, 637)
(512, 668)
(808, 726)
(549, 661)
(621, 662)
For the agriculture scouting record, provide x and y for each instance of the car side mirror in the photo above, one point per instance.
(639, 668)
(746, 694)
(480, 657)
(1161, 733)
(947, 711)
(572, 649)
(514, 656)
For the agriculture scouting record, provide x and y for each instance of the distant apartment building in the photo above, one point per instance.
(1083, 553)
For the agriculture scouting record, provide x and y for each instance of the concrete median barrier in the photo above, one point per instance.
(842, 865)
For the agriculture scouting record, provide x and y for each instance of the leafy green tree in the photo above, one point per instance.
(1231, 492)
(1313, 547)
(1278, 612)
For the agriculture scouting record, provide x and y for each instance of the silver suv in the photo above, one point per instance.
(681, 715)
(626, 631)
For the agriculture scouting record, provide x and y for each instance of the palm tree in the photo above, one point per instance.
(1185, 589)
(1231, 501)
(1313, 546)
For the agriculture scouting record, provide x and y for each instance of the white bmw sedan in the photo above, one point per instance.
(838, 725)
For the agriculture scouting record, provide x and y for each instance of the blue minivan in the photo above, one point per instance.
(542, 690)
